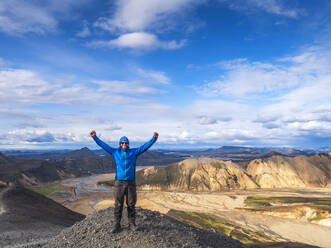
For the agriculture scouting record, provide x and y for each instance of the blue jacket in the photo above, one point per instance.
(125, 159)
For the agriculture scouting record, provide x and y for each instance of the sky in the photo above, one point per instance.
(202, 73)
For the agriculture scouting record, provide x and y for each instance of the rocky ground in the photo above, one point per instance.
(156, 230)
(28, 219)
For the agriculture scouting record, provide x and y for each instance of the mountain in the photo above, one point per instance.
(34, 171)
(286, 172)
(238, 153)
(4, 159)
(29, 219)
(196, 174)
(156, 231)
(206, 174)
(158, 158)
(151, 157)
(31, 171)
(81, 153)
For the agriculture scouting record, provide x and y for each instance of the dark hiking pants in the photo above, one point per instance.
(125, 188)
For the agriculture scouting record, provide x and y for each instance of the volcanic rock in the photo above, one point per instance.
(29, 219)
(156, 231)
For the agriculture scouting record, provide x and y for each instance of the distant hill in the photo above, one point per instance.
(4, 159)
(29, 219)
(157, 158)
(62, 165)
(152, 158)
(34, 171)
(206, 174)
(81, 153)
(239, 153)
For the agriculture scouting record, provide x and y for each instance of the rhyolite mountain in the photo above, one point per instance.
(196, 174)
(291, 172)
(207, 174)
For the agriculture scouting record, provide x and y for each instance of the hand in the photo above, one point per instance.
(156, 135)
(93, 133)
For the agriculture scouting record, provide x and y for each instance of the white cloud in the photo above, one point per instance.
(207, 120)
(243, 78)
(139, 40)
(24, 86)
(85, 32)
(123, 87)
(136, 20)
(140, 15)
(305, 75)
(20, 17)
(154, 76)
(276, 7)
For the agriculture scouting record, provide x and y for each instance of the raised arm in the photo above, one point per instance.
(148, 144)
(102, 144)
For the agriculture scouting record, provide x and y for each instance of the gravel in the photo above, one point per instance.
(29, 219)
(156, 231)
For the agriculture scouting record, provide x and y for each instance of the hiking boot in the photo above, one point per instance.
(116, 229)
(133, 226)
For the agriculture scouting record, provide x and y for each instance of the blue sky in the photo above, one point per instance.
(202, 73)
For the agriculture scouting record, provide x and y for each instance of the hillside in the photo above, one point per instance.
(81, 153)
(286, 172)
(196, 174)
(238, 153)
(30, 218)
(156, 231)
(206, 174)
(34, 171)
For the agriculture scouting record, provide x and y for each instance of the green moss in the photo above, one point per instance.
(317, 218)
(40, 190)
(219, 224)
(257, 202)
(264, 203)
(48, 190)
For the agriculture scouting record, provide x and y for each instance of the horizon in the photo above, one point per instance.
(167, 148)
(201, 73)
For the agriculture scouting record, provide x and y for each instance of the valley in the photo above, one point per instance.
(270, 201)
(228, 211)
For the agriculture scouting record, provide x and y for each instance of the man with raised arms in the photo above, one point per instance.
(125, 184)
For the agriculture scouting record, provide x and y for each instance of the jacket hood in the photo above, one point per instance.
(124, 138)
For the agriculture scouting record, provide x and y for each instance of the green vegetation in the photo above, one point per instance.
(265, 203)
(317, 218)
(49, 189)
(221, 225)
(322, 206)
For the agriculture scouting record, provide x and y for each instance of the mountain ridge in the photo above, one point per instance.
(207, 174)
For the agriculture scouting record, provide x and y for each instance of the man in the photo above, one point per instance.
(125, 185)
